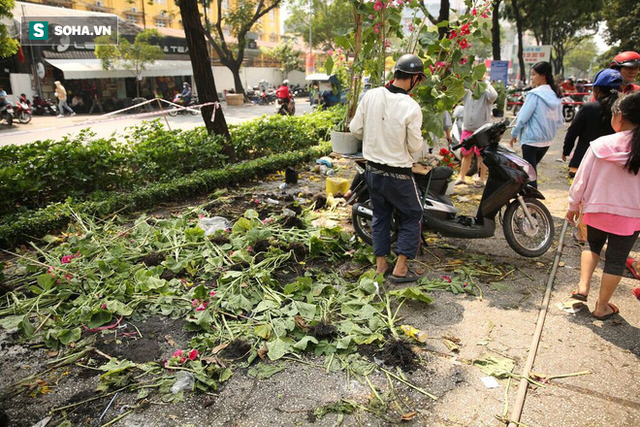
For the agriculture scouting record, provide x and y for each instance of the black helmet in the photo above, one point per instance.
(409, 64)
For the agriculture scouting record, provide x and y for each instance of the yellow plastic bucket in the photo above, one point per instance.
(337, 185)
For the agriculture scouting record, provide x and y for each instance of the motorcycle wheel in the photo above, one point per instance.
(193, 112)
(568, 113)
(173, 112)
(525, 239)
(24, 117)
(10, 119)
(362, 225)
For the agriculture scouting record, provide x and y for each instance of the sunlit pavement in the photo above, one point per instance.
(51, 127)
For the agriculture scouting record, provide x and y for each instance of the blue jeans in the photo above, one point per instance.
(386, 194)
(62, 104)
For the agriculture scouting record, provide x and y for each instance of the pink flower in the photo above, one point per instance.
(330, 52)
(464, 60)
(195, 303)
(441, 64)
(103, 306)
(484, 15)
(212, 293)
(256, 201)
(411, 28)
(432, 68)
(464, 30)
(378, 5)
(200, 216)
(193, 354)
(249, 249)
(447, 279)
(464, 44)
(387, 43)
(183, 359)
(474, 12)
(453, 34)
(202, 307)
(68, 277)
(177, 353)
(376, 28)
(66, 259)
(371, 17)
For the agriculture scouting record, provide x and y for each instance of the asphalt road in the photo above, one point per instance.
(48, 127)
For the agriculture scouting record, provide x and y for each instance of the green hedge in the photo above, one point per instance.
(37, 174)
(34, 224)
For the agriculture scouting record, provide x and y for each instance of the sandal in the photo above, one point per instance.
(633, 271)
(409, 277)
(577, 296)
(636, 292)
(615, 309)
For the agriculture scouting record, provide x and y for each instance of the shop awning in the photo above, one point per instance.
(92, 69)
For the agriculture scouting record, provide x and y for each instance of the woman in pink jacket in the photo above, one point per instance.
(607, 185)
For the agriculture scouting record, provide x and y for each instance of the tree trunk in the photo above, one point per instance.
(519, 29)
(237, 81)
(443, 16)
(495, 30)
(203, 74)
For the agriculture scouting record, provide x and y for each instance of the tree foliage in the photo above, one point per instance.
(559, 23)
(623, 18)
(8, 46)
(239, 18)
(288, 57)
(132, 56)
(581, 57)
(328, 18)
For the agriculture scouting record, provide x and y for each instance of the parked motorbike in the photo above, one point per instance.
(41, 106)
(180, 101)
(569, 108)
(7, 114)
(527, 223)
(23, 110)
(284, 109)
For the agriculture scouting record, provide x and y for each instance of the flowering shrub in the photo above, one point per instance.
(448, 159)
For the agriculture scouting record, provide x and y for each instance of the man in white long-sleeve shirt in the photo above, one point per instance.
(389, 123)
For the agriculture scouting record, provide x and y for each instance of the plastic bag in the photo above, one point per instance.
(185, 381)
(211, 225)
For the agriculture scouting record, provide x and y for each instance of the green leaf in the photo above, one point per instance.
(68, 336)
(119, 308)
(26, 327)
(115, 366)
(46, 281)
(263, 370)
(307, 311)
(263, 331)
(225, 375)
(99, 318)
(413, 293)
(278, 348)
(11, 322)
(302, 344)
(495, 365)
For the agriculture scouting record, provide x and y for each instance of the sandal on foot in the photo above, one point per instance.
(636, 292)
(615, 309)
(633, 271)
(577, 296)
(409, 277)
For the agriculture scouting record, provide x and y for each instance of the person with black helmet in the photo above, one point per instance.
(186, 93)
(389, 123)
(628, 63)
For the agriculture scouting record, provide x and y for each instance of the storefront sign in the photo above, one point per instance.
(533, 54)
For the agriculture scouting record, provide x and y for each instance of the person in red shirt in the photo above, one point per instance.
(284, 95)
(568, 86)
(628, 63)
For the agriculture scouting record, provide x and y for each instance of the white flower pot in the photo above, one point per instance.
(345, 143)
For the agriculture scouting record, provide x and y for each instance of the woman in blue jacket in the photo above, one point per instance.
(540, 116)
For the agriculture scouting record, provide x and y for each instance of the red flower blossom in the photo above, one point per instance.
(193, 354)
(177, 353)
(453, 34)
(474, 12)
(212, 293)
(464, 60)
(444, 151)
(464, 44)
(202, 307)
(464, 30)
(378, 5)
(195, 303)
(447, 279)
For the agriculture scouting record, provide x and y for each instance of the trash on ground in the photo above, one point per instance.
(414, 333)
(336, 186)
(184, 381)
(571, 307)
(496, 365)
(490, 382)
(211, 225)
(272, 201)
(291, 176)
(326, 160)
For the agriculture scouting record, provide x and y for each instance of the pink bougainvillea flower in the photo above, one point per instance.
(464, 30)
(410, 28)
(68, 277)
(376, 28)
(464, 60)
(378, 5)
(441, 64)
(193, 354)
(453, 34)
(66, 259)
(446, 279)
(202, 307)
(387, 43)
(484, 15)
(183, 359)
(474, 12)
(200, 216)
(432, 68)
(103, 306)
(464, 44)
(212, 293)
(177, 353)
(231, 253)
(371, 17)
(195, 303)
(330, 52)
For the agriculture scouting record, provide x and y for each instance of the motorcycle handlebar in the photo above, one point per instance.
(455, 147)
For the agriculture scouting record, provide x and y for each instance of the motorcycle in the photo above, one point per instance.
(570, 107)
(527, 223)
(180, 101)
(41, 106)
(23, 111)
(6, 113)
(284, 109)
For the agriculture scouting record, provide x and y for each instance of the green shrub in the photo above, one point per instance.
(34, 175)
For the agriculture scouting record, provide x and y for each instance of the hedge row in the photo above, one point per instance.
(37, 174)
(37, 223)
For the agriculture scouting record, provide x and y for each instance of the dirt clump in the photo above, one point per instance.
(152, 259)
(237, 349)
(323, 330)
(398, 352)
